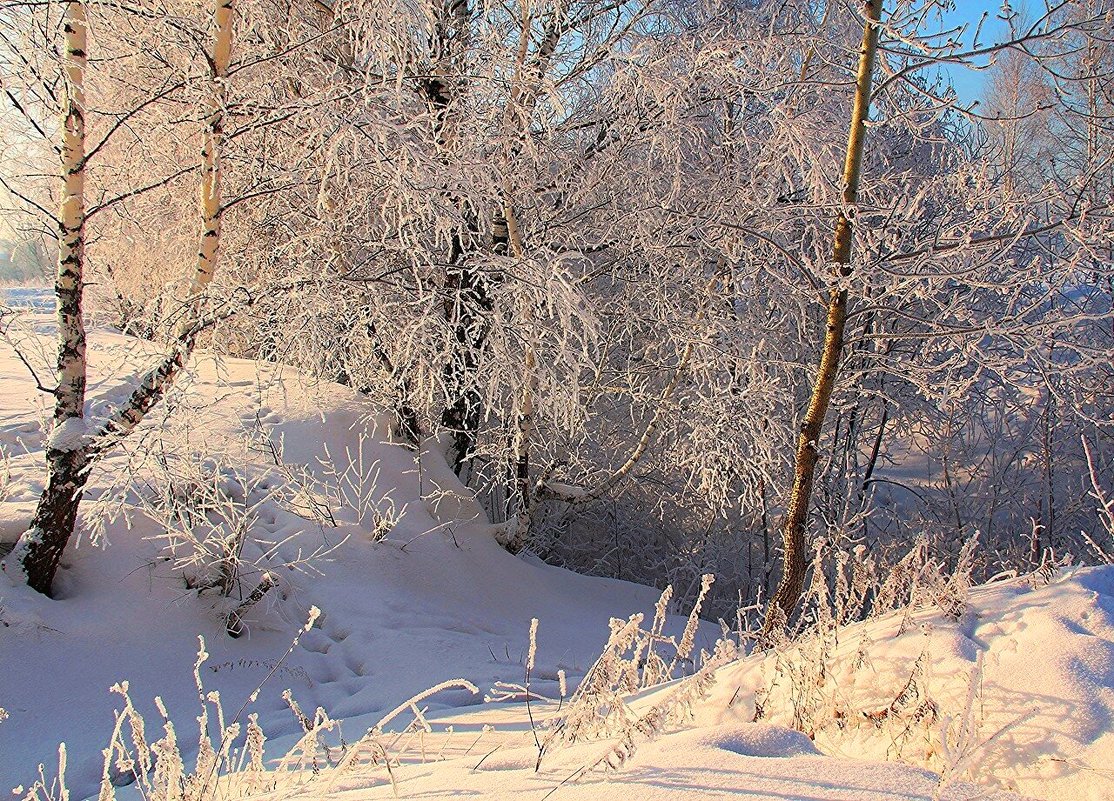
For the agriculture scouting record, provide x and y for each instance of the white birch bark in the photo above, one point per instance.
(159, 379)
(40, 548)
(211, 209)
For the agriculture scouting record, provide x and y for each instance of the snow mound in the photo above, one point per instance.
(698, 764)
(1017, 693)
(757, 740)
(413, 590)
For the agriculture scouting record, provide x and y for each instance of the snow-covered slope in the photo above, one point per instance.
(1012, 699)
(1017, 693)
(436, 599)
(749, 762)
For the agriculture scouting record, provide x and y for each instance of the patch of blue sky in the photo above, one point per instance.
(971, 83)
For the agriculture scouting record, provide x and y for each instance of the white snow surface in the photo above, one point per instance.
(438, 599)
(1037, 660)
(69, 436)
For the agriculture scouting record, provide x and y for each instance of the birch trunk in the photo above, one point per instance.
(795, 545)
(72, 450)
(525, 90)
(160, 378)
(41, 546)
(211, 209)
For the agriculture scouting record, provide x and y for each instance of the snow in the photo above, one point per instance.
(434, 599)
(69, 436)
(752, 762)
(1042, 662)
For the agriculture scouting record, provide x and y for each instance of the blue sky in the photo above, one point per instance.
(969, 83)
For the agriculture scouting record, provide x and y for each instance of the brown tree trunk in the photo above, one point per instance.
(468, 305)
(795, 544)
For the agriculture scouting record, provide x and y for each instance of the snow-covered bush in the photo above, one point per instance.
(634, 659)
(351, 480)
(222, 522)
(212, 515)
(1105, 551)
(858, 667)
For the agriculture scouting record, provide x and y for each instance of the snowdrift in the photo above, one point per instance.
(1014, 691)
(434, 598)
(1017, 692)
(1013, 698)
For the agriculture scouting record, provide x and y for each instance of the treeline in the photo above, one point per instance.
(23, 263)
(677, 287)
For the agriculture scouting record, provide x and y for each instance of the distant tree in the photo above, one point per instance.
(1019, 103)
(22, 261)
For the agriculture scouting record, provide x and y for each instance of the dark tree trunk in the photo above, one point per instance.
(467, 307)
(55, 517)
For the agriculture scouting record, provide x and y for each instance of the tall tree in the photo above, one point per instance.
(73, 447)
(41, 546)
(795, 554)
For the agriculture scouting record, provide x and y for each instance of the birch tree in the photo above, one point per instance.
(73, 445)
(40, 548)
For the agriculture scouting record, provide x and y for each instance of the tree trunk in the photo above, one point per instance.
(525, 89)
(522, 506)
(159, 379)
(467, 308)
(795, 545)
(212, 211)
(72, 450)
(41, 546)
(468, 301)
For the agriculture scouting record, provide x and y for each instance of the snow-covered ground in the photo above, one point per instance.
(436, 599)
(1012, 699)
(1017, 693)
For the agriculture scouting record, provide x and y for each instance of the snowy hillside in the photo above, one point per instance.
(435, 599)
(1016, 693)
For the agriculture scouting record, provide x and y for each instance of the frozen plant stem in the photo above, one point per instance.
(794, 544)
(235, 623)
